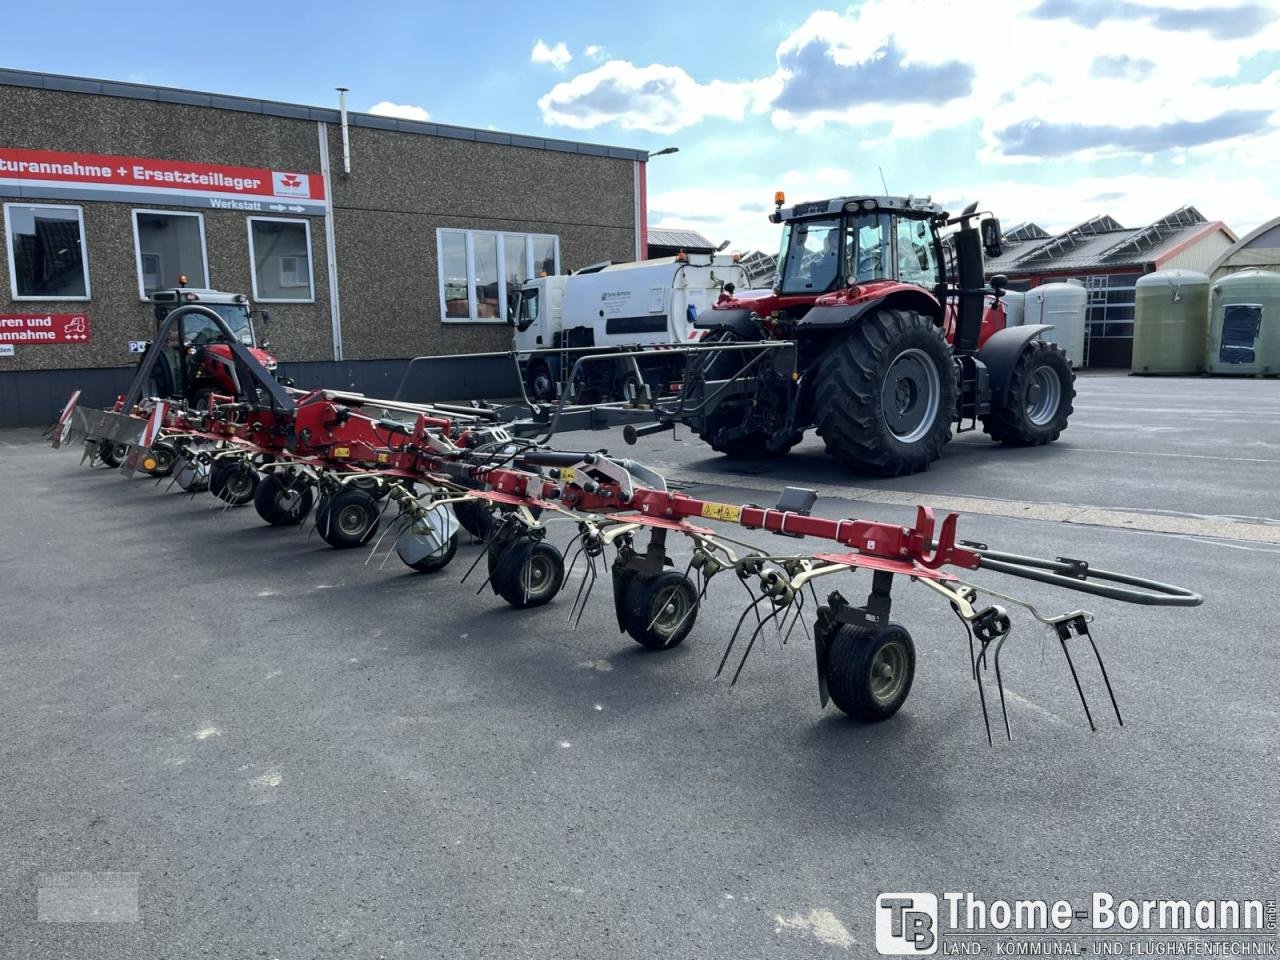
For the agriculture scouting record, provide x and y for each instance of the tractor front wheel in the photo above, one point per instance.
(870, 669)
(1037, 404)
(283, 501)
(347, 519)
(885, 394)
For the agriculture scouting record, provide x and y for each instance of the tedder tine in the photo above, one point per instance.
(752, 642)
(734, 636)
(1000, 682)
(1105, 679)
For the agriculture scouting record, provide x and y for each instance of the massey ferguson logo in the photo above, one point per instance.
(290, 184)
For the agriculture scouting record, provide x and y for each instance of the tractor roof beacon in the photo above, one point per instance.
(895, 337)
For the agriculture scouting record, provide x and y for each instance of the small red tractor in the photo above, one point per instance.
(895, 337)
(196, 362)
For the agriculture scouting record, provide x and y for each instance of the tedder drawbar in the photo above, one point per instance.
(434, 467)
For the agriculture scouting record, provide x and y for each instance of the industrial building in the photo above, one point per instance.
(1108, 259)
(391, 239)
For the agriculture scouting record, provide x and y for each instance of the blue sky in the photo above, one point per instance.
(1045, 110)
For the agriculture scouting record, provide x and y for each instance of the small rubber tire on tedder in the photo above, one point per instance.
(658, 611)
(233, 481)
(528, 572)
(1037, 404)
(112, 454)
(475, 516)
(348, 518)
(283, 500)
(870, 669)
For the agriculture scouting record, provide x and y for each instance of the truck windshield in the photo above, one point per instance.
(809, 261)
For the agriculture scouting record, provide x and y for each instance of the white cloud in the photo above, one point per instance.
(657, 98)
(405, 111)
(594, 51)
(558, 56)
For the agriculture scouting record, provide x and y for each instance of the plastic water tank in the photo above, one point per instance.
(1013, 308)
(1244, 324)
(1064, 306)
(1171, 317)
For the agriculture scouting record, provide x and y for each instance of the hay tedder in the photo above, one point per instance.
(402, 478)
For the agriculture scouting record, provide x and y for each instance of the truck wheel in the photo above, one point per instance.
(233, 481)
(658, 612)
(870, 669)
(348, 519)
(283, 502)
(886, 393)
(1038, 404)
(542, 385)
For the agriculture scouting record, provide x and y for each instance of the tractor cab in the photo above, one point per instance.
(196, 360)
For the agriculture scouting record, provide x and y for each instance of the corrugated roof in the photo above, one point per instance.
(678, 237)
(275, 108)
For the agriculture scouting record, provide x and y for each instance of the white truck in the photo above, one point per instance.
(616, 307)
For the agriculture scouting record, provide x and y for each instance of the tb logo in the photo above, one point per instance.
(907, 924)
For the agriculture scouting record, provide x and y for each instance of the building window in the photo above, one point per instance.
(48, 259)
(481, 271)
(280, 251)
(169, 246)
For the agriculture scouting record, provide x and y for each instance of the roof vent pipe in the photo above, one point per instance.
(346, 139)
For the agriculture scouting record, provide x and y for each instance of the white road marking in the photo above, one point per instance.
(204, 733)
(1034, 707)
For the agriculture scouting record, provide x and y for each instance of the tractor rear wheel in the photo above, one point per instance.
(870, 669)
(283, 501)
(658, 612)
(233, 481)
(348, 519)
(1038, 402)
(885, 394)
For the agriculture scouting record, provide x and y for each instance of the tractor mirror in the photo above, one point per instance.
(1000, 283)
(991, 237)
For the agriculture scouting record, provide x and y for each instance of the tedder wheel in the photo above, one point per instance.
(193, 476)
(112, 454)
(431, 542)
(475, 517)
(885, 394)
(348, 519)
(1038, 402)
(528, 573)
(283, 501)
(233, 481)
(869, 670)
(658, 612)
(160, 461)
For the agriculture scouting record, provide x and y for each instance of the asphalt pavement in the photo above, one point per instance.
(285, 752)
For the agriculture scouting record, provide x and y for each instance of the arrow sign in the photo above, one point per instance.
(279, 207)
(297, 209)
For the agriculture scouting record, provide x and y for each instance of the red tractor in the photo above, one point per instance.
(895, 337)
(197, 359)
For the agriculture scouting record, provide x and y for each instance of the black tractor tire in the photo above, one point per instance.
(1038, 403)
(348, 518)
(112, 454)
(283, 501)
(885, 393)
(165, 457)
(658, 612)
(870, 669)
(475, 517)
(528, 573)
(233, 481)
(437, 561)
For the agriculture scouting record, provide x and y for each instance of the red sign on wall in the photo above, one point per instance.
(44, 328)
(94, 176)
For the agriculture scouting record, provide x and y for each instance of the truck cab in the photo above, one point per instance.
(197, 361)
